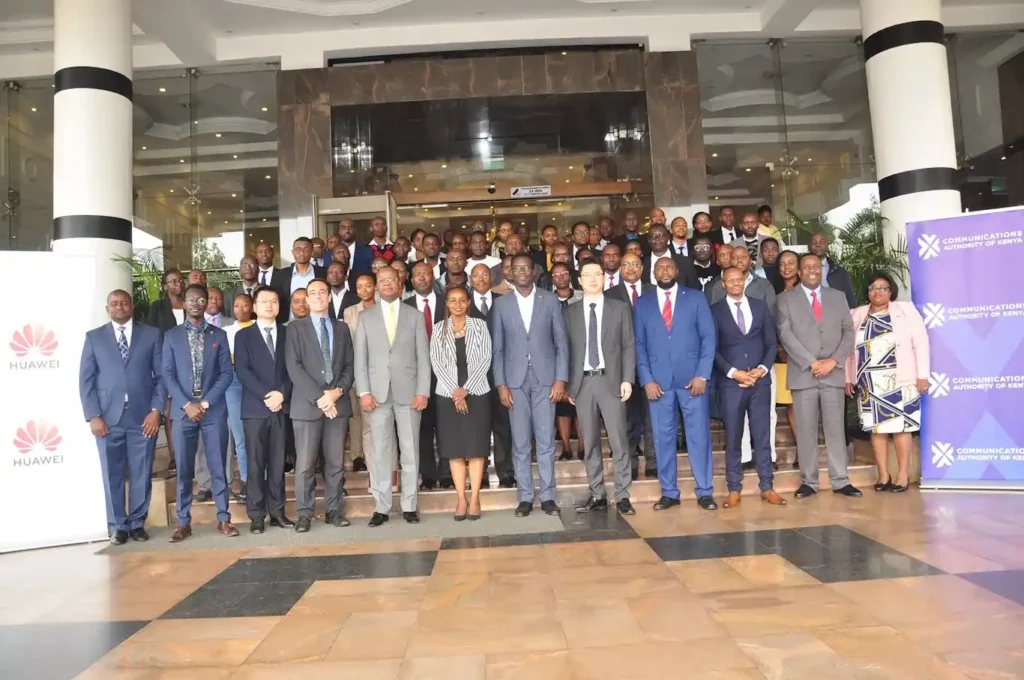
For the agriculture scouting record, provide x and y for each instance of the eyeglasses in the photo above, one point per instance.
(197, 301)
(632, 265)
(522, 268)
(878, 289)
(702, 248)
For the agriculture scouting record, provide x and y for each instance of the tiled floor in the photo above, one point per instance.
(911, 586)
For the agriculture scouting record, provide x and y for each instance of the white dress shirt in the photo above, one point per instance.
(611, 280)
(654, 261)
(526, 305)
(437, 271)
(127, 331)
(637, 285)
(744, 304)
(269, 274)
(351, 254)
(421, 303)
(730, 235)
(338, 297)
(681, 248)
(263, 326)
(479, 298)
(599, 310)
(807, 293)
(179, 316)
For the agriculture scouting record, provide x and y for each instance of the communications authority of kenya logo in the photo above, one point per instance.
(938, 385)
(928, 246)
(38, 442)
(33, 338)
(942, 454)
(934, 315)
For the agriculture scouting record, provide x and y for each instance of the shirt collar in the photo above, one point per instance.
(742, 300)
(127, 325)
(314, 315)
(673, 290)
(533, 293)
(808, 291)
(597, 299)
(264, 325)
(191, 328)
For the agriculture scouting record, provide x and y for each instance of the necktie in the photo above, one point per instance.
(816, 305)
(611, 281)
(484, 307)
(740, 321)
(270, 342)
(263, 277)
(325, 349)
(666, 311)
(592, 355)
(428, 318)
(633, 286)
(391, 322)
(122, 344)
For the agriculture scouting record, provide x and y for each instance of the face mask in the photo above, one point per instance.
(666, 285)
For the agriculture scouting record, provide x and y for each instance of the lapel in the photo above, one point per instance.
(606, 333)
(336, 353)
(534, 311)
(110, 336)
(312, 332)
(805, 305)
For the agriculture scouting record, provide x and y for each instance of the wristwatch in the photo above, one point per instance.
(205, 404)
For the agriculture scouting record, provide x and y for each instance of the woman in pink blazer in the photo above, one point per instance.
(888, 371)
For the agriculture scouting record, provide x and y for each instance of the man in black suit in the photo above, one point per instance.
(341, 297)
(658, 240)
(267, 274)
(611, 261)
(360, 256)
(300, 274)
(266, 389)
(432, 255)
(482, 302)
(832, 275)
(560, 254)
(631, 224)
(638, 416)
(431, 305)
(248, 270)
(580, 240)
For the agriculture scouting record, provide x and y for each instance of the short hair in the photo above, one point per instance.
(894, 290)
(591, 263)
(431, 234)
(264, 289)
(770, 239)
(804, 256)
(303, 239)
(521, 256)
(340, 263)
(367, 275)
(168, 272)
(319, 280)
(548, 226)
(583, 222)
(216, 288)
(239, 295)
(729, 269)
(402, 238)
(611, 245)
(196, 286)
(765, 208)
(412, 236)
(724, 207)
(581, 251)
(702, 237)
(562, 265)
(478, 231)
(698, 214)
(296, 292)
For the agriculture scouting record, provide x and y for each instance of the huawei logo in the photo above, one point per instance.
(34, 435)
(33, 337)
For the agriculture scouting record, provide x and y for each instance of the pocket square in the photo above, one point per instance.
(216, 344)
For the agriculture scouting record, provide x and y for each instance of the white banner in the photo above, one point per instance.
(51, 486)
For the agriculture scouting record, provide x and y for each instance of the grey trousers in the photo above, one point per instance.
(312, 436)
(533, 418)
(384, 421)
(598, 400)
(828, 403)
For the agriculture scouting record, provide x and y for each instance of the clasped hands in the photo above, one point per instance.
(749, 378)
(328, 401)
(368, 403)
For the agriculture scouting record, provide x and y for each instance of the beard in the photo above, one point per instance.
(665, 285)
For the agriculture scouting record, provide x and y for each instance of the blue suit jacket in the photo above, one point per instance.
(104, 379)
(360, 263)
(546, 345)
(744, 352)
(673, 359)
(259, 372)
(177, 371)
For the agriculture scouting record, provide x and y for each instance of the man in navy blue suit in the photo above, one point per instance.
(266, 389)
(746, 350)
(197, 373)
(360, 256)
(675, 349)
(122, 396)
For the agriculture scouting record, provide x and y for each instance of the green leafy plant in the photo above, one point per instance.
(147, 268)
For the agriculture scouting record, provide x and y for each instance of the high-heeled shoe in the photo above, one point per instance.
(458, 517)
(887, 486)
(898, 488)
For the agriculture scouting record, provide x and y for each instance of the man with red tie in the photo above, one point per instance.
(431, 305)
(675, 351)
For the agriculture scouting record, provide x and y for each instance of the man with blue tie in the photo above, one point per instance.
(675, 350)
(197, 372)
(746, 350)
(122, 396)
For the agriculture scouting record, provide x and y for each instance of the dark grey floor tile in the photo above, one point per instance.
(707, 546)
(58, 651)
(1008, 584)
(211, 601)
(385, 565)
(464, 542)
(272, 570)
(608, 520)
(269, 599)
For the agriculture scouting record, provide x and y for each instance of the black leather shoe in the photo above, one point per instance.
(634, 474)
(849, 490)
(651, 473)
(805, 491)
(507, 483)
(898, 488)
(243, 493)
(336, 519)
(359, 464)
(282, 522)
(485, 482)
(378, 519)
(579, 455)
(883, 486)
(203, 496)
(625, 507)
(446, 484)
(411, 517)
(139, 535)
(302, 526)
(428, 484)
(551, 508)
(256, 526)
(707, 503)
(566, 455)
(592, 504)
(664, 503)
(119, 537)
(524, 509)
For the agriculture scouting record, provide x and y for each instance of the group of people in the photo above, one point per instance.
(464, 340)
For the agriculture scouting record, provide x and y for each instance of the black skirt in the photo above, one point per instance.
(464, 436)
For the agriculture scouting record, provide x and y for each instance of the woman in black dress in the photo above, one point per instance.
(460, 355)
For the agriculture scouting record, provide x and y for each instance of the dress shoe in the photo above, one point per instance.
(899, 488)
(411, 517)
(428, 484)
(664, 503)
(733, 500)
(257, 526)
(485, 482)
(171, 467)
(507, 483)
(119, 537)
(302, 525)
(243, 493)
(524, 509)
(551, 508)
(579, 455)
(707, 503)
(849, 490)
(884, 486)
(592, 505)
(805, 491)
(772, 498)
(651, 473)
(634, 474)
(139, 535)
(203, 496)
(459, 518)
(446, 484)
(377, 519)
(359, 464)
(336, 519)
(181, 533)
(775, 466)
(282, 522)
(566, 455)
(625, 507)
(227, 529)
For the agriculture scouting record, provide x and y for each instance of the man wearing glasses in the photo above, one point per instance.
(704, 260)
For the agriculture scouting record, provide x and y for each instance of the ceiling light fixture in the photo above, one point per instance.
(264, 219)
(748, 169)
(235, 156)
(444, 165)
(163, 89)
(234, 195)
(181, 160)
(33, 109)
(266, 177)
(143, 148)
(714, 155)
(265, 109)
(172, 191)
(218, 135)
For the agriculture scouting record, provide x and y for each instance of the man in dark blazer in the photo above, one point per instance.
(658, 240)
(631, 226)
(300, 274)
(361, 256)
(248, 270)
(833, 275)
(123, 397)
(266, 390)
(746, 349)
(602, 368)
(321, 368)
(481, 306)
(560, 253)
(197, 372)
(531, 367)
(342, 297)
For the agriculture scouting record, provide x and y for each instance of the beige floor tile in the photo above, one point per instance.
(674, 617)
(344, 597)
(540, 636)
(119, 603)
(659, 660)
(321, 670)
(967, 634)
(551, 665)
(464, 667)
(770, 571)
(883, 649)
(797, 656)
(515, 552)
(614, 553)
(709, 576)
(374, 635)
(415, 585)
(784, 610)
(597, 624)
(599, 591)
(572, 556)
(471, 619)
(297, 638)
(191, 673)
(997, 664)
(960, 596)
(892, 602)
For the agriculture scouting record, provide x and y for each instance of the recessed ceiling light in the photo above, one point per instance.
(225, 221)
(460, 208)
(716, 198)
(264, 219)
(218, 135)
(181, 160)
(235, 156)
(444, 165)
(266, 177)
(810, 159)
(748, 169)
(172, 191)
(265, 108)
(415, 188)
(714, 155)
(570, 167)
(563, 54)
(240, 212)
(1002, 158)
(566, 181)
(143, 148)
(209, 212)
(234, 195)
(33, 109)
(163, 89)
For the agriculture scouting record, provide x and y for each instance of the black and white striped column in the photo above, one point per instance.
(92, 136)
(911, 111)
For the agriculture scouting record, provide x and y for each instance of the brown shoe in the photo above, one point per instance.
(227, 528)
(733, 500)
(770, 496)
(181, 533)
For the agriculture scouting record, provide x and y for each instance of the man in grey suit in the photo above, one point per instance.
(318, 356)
(393, 384)
(750, 239)
(602, 368)
(817, 332)
(248, 269)
(531, 365)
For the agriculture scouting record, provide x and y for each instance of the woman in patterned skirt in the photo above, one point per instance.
(888, 371)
